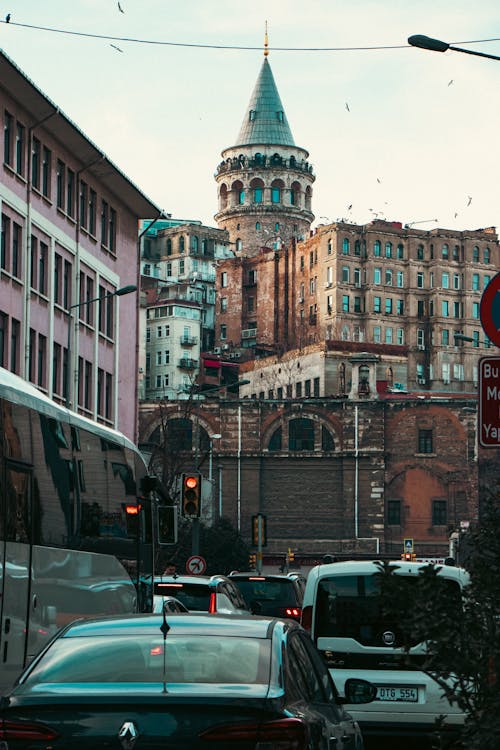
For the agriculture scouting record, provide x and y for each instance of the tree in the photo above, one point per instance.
(463, 637)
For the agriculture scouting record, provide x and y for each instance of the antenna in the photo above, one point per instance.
(424, 221)
(266, 43)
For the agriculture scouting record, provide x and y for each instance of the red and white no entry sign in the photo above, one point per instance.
(196, 565)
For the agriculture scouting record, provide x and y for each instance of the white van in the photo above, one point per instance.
(341, 611)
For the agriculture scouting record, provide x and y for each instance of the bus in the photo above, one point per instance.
(342, 609)
(68, 547)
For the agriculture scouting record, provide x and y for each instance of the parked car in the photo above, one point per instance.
(276, 595)
(187, 681)
(203, 593)
(167, 604)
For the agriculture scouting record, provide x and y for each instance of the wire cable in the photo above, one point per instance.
(197, 45)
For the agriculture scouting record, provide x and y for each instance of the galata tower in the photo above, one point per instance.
(265, 180)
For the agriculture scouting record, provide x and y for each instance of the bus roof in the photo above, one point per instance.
(19, 391)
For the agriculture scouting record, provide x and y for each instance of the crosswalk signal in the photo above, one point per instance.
(133, 519)
(252, 561)
(191, 495)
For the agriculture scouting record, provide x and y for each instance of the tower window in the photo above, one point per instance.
(252, 114)
(281, 115)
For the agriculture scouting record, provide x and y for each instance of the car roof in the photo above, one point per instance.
(194, 623)
(264, 576)
(367, 567)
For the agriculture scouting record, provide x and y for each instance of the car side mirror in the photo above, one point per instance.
(359, 691)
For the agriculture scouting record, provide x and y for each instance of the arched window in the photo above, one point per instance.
(241, 196)
(275, 194)
(388, 249)
(169, 246)
(223, 197)
(276, 440)
(293, 161)
(257, 225)
(301, 434)
(239, 244)
(258, 158)
(401, 251)
(194, 243)
(345, 246)
(182, 243)
(377, 248)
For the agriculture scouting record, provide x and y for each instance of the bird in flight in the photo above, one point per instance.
(347, 107)
(115, 47)
(379, 181)
(7, 18)
(450, 82)
(120, 8)
(469, 200)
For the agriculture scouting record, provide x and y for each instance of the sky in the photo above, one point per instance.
(397, 132)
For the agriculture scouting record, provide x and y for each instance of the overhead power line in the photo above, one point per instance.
(197, 45)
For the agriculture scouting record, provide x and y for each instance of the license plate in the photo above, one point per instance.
(397, 694)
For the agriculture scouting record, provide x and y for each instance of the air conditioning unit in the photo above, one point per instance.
(225, 347)
(421, 381)
(217, 350)
(248, 333)
(421, 347)
(236, 355)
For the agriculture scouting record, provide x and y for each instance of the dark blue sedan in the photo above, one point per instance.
(151, 682)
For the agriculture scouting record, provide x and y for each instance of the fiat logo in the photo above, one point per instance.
(388, 638)
(128, 735)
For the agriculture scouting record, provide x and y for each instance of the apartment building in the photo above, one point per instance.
(68, 244)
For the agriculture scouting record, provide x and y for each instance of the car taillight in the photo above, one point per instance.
(281, 734)
(306, 619)
(20, 730)
(293, 612)
(212, 605)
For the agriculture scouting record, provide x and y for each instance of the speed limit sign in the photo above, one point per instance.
(196, 565)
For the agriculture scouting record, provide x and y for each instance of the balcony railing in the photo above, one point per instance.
(188, 340)
(186, 363)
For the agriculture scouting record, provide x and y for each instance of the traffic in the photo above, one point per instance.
(281, 661)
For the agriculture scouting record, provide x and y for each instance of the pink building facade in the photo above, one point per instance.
(69, 242)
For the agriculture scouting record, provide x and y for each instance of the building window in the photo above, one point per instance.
(7, 138)
(275, 194)
(377, 334)
(388, 335)
(439, 513)
(394, 512)
(345, 274)
(445, 280)
(425, 441)
(400, 278)
(388, 276)
(36, 150)
(475, 254)
(20, 131)
(345, 303)
(345, 246)
(486, 255)
(400, 307)
(223, 332)
(377, 248)
(70, 192)
(445, 337)
(400, 334)
(420, 279)
(388, 306)
(257, 195)
(223, 304)
(401, 252)
(388, 249)
(46, 171)
(223, 279)
(445, 252)
(377, 275)
(301, 435)
(475, 310)
(445, 308)
(60, 184)
(377, 304)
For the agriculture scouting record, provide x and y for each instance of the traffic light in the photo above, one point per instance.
(167, 524)
(291, 555)
(255, 530)
(252, 561)
(133, 518)
(408, 556)
(191, 495)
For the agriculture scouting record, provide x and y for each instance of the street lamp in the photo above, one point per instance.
(436, 45)
(117, 293)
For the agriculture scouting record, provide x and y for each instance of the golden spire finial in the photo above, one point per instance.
(266, 43)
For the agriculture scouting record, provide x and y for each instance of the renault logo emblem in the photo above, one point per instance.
(128, 735)
(388, 638)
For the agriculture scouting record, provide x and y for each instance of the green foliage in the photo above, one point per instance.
(463, 639)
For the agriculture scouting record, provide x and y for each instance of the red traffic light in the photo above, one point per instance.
(191, 495)
(191, 482)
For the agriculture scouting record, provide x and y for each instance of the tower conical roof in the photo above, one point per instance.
(265, 120)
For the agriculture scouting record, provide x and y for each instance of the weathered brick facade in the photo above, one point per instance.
(332, 483)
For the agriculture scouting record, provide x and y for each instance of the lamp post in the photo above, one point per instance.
(118, 293)
(210, 454)
(436, 45)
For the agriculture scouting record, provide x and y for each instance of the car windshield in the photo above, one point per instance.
(194, 596)
(270, 595)
(151, 659)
